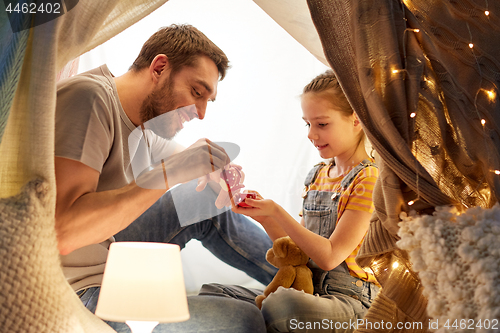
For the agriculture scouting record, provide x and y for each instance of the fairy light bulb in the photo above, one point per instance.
(411, 202)
(398, 71)
(412, 115)
(471, 45)
(395, 264)
(497, 172)
(483, 122)
(487, 12)
(491, 94)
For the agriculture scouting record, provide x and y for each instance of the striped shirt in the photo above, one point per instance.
(357, 196)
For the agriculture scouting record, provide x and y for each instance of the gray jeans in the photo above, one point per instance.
(339, 304)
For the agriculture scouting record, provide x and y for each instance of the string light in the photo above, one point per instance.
(415, 107)
(395, 264)
(491, 94)
(396, 71)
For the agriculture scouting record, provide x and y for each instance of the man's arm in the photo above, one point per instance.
(84, 216)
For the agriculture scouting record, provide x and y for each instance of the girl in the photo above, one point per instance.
(335, 217)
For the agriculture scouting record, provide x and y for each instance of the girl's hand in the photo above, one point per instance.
(260, 209)
(266, 212)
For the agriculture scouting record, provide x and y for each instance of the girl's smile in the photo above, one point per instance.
(320, 147)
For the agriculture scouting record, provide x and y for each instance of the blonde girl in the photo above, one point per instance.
(335, 216)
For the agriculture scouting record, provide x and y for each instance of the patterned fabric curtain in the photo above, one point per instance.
(423, 76)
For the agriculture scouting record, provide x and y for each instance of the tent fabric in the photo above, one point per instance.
(423, 77)
(13, 48)
(51, 46)
(35, 296)
(294, 17)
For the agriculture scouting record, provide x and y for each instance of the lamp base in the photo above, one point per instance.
(141, 326)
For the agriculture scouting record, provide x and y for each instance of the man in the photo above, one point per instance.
(97, 197)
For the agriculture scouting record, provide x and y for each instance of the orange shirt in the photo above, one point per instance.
(357, 196)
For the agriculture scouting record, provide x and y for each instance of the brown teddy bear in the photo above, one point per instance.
(292, 270)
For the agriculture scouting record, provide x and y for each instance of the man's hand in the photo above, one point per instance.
(201, 158)
(219, 185)
(207, 179)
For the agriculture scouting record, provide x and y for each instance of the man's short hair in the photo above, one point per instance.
(182, 44)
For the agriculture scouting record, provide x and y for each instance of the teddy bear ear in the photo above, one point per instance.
(280, 247)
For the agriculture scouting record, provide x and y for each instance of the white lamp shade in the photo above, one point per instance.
(143, 282)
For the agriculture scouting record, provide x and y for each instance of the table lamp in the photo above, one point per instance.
(143, 285)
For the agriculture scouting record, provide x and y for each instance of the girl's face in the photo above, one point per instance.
(332, 132)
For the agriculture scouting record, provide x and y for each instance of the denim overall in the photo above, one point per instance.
(320, 216)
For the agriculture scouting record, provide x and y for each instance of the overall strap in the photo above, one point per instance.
(311, 177)
(313, 173)
(347, 180)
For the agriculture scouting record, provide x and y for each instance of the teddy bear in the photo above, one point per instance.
(292, 270)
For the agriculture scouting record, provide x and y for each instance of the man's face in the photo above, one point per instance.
(196, 84)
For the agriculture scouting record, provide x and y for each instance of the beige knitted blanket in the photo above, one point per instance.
(35, 296)
(457, 257)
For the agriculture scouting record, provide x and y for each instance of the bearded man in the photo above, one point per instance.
(98, 198)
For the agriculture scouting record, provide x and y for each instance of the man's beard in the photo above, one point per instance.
(162, 102)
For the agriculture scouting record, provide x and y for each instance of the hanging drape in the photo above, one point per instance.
(34, 295)
(423, 78)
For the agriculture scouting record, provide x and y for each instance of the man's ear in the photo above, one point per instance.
(159, 66)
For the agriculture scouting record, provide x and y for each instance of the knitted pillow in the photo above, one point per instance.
(458, 261)
(34, 295)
